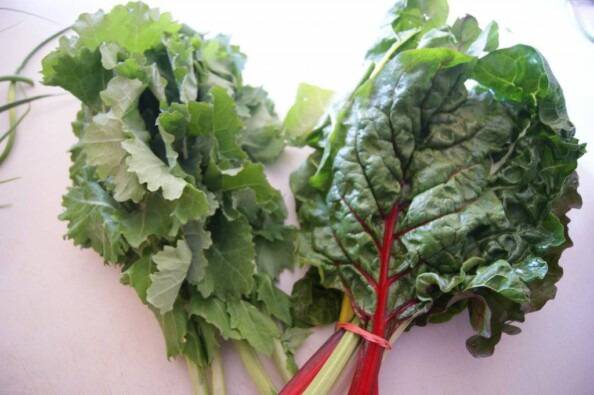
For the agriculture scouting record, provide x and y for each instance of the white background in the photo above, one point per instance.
(66, 324)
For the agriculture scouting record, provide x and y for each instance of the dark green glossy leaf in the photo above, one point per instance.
(275, 302)
(312, 304)
(467, 178)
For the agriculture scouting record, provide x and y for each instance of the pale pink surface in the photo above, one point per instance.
(69, 327)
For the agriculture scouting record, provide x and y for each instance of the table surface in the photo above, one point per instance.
(69, 327)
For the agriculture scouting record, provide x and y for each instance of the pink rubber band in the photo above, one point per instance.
(370, 337)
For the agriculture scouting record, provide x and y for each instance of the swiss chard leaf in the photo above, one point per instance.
(426, 197)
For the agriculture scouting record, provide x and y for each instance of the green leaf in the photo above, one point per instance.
(487, 41)
(151, 170)
(121, 95)
(276, 302)
(81, 74)
(226, 127)
(252, 176)
(194, 348)
(166, 121)
(201, 119)
(254, 326)
(275, 252)
(174, 325)
(292, 339)
(138, 276)
(312, 304)
(198, 240)
(310, 104)
(151, 219)
(501, 278)
(466, 30)
(407, 16)
(209, 340)
(465, 179)
(480, 315)
(94, 220)
(222, 64)
(532, 268)
(134, 27)
(214, 311)
(102, 144)
(231, 254)
(193, 204)
(263, 136)
(173, 264)
(181, 57)
(522, 74)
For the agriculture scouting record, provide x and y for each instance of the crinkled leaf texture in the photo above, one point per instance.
(455, 159)
(163, 181)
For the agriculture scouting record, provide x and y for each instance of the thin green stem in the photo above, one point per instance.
(28, 13)
(217, 375)
(11, 97)
(12, 121)
(9, 180)
(281, 361)
(391, 51)
(16, 78)
(12, 103)
(334, 366)
(198, 378)
(38, 47)
(254, 368)
(13, 126)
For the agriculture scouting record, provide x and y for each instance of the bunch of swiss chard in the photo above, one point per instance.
(166, 183)
(439, 185)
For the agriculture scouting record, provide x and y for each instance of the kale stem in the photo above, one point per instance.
(217, 375)
(325, 379)
(198, 378)
(254, 368)
(280, 360)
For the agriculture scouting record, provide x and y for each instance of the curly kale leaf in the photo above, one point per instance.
(163, 181)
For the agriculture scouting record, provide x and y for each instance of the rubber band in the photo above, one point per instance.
(370, 337)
